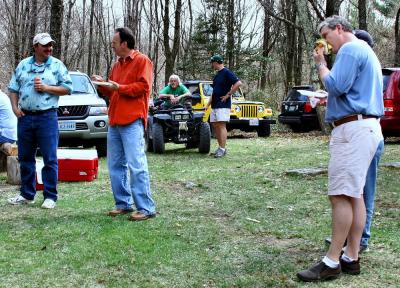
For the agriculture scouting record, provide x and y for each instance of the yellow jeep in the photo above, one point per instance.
(245, 115)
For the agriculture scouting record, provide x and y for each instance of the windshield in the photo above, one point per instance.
(81, 84)
(295, 95)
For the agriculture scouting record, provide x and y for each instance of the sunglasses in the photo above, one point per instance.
(37, 69)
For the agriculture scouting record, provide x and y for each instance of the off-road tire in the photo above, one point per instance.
(204, 138)
(264, 130)
(158, 139)
(148, 141)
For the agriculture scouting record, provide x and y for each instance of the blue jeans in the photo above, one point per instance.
(369, 194)
(125, 153)
(38, 131)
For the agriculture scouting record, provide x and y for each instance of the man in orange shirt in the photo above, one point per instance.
(131, 78)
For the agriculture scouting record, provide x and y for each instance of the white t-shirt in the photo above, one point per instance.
(8, 120)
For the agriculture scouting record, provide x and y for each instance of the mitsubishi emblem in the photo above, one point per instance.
(65, 111)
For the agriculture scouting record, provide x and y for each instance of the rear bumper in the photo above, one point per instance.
(300, 119)
(390, 125)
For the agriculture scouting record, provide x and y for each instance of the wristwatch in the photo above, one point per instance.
(320, 65)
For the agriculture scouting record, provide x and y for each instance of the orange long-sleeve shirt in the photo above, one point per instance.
(134, 74)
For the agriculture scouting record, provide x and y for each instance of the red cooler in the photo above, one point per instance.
(77, 164)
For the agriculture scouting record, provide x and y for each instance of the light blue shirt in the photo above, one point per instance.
(355, 84)
(8, 120)
(53, 72)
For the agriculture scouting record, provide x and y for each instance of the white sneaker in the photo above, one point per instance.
(19, 200)
(48, 204)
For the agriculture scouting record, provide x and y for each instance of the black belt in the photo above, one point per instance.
(38, 112)
(352, 118)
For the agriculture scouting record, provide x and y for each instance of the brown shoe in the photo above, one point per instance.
(352, 268)
(117, 212)
(138, 216)
(319, 272)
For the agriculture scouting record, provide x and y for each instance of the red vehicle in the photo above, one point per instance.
(390, 122)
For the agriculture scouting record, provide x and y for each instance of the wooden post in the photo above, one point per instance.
(13, 172)
(13, 151)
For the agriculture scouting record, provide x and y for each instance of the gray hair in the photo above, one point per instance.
(175, 77)
(333, 21)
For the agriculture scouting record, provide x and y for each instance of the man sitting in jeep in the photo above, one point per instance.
(174, 93)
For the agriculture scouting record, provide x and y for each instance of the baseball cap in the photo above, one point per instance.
(364, 35)
(42, 39)
(217, 58)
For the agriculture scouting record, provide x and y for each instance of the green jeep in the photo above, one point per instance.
(246, 115)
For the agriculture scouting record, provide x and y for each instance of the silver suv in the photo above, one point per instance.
(82, 116)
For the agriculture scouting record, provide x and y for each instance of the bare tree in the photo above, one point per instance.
(397, 39)
(91, 28)
(56, 19)
(171, 52)
(362, 14)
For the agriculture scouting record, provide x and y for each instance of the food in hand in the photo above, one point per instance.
(321, 43)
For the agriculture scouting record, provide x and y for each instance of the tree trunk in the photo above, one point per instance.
(170, 54)
(265, 46)
(362, 15)
(230, 26)
(397, 39)
(71, 4)
(90, 51)
(332, 7)
(56, 18)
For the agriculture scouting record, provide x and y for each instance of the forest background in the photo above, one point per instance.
(268, 43)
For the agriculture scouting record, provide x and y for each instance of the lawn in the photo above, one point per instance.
(239, 221)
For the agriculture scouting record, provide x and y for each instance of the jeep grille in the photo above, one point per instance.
(72, 112)
(249, 111)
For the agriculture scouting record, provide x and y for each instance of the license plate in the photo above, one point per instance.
(292, 108)
(66, 126)
(253, 122)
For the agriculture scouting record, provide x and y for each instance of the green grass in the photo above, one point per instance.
(205, 234)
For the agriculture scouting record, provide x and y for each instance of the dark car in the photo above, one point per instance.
(390, 122)
(297, 112)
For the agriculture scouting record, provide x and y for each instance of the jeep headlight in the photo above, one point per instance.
(96, 111)
(237, 109)
(185, 117)
(177, 117)
(260, 108)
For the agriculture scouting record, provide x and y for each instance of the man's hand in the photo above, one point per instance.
(115, 85)
(174, 100)
(318, 54)
(38, 85)
(226, 97)
(17, 111)
(97, 78)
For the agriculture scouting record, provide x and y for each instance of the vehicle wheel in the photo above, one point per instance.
(191, 145)
(101, 147)
(204, 137)
(148, 141)
(296, 128)
(264, 130)
(158, 138)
